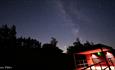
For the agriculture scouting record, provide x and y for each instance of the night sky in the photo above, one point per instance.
(92, 20)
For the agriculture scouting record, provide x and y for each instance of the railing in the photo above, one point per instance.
(100, 64)
(94, 65)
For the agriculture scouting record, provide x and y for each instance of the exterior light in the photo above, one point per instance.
(109, 55)
(99, 54)
(94, 56)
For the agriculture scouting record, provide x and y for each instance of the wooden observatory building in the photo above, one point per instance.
(101, 58)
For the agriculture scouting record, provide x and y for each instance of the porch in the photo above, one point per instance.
(97, 59)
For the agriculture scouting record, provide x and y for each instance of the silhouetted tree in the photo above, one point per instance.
(28, 43)
(53, 56)
(52, 47)
(7, 37)
(77, 47)
(53, 41)
(88, 45)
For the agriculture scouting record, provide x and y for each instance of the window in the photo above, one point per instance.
(82, 63)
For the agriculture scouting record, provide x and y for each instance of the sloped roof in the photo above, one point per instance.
(93, 51)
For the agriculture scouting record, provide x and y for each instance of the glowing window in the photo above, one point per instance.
(109, 55)
(94, 56)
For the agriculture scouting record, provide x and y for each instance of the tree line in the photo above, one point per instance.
(45, 56)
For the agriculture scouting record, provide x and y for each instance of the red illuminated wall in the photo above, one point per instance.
(93, 59)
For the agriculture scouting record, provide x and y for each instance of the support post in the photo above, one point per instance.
(105, 58)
